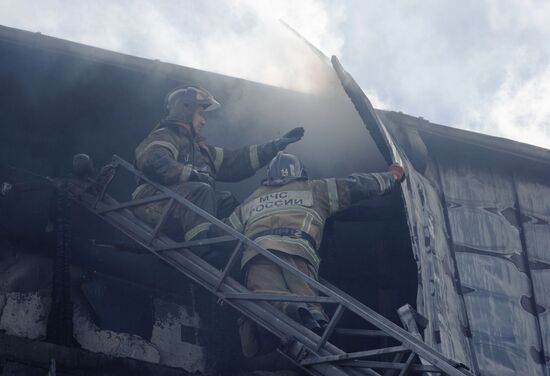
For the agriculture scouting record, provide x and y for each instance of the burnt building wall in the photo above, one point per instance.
(477, 212)
(483, 257)
(94, 288)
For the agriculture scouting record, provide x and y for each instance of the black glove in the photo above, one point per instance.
(202, 177)
(288, 138)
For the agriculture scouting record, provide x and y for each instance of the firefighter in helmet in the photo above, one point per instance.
(174, 154)
(286, 215)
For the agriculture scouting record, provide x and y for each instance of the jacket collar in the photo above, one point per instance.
(185, 130)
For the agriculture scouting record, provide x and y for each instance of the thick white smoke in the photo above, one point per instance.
(241, 38)
(483, 65)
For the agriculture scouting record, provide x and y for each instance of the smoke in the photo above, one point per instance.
(240, 38)
(481, 66)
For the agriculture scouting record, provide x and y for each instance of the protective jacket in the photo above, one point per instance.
(171, 152)
(290, 218)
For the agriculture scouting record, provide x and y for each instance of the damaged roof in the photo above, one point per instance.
(490, 143)
(57, 45)
(478, 220)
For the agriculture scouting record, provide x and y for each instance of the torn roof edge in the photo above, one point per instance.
(179, 72)
(493, 143)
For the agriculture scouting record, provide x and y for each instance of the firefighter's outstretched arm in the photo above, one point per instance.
(365, 185)
(235, 165)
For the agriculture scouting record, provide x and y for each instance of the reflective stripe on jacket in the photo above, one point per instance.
(303, 205)
(169, 154)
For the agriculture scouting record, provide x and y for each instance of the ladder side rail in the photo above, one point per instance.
(195, 243)
(417, 368)
(269, 317)
(416, 345)
(272, 319)
(261, 312)
(207, 276)
(315, 370)
(413, 343)
(101, 208)
(132, 203)
(234, 233)
(361, 332)
(279, 298)
(357, 355)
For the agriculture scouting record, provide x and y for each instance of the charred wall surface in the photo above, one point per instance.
(478, 214)
(79, 282)
(483, 258)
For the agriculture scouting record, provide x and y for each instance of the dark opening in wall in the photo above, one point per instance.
(367, 253)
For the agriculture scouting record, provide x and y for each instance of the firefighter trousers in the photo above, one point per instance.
(263, 276)
(184, 224)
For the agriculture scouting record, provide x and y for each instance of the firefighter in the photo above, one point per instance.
(286, 215)
(174, 154)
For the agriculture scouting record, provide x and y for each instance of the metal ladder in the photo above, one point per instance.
(312, 353)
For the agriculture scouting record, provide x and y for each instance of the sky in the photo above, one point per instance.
(481, 65)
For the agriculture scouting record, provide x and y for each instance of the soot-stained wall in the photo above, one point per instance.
(482, 220)
(60, 98)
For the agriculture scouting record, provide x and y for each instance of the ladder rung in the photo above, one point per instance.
(232, 260)
(107, 184)
(396, 359)
(133, 203)
(195, 243)
(355, 355)
(361, 332)
(389, 365)
(278, 298)
(161, 221)
(405, 371)
(331, 326)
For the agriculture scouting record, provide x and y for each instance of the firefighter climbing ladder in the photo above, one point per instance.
(313, 353)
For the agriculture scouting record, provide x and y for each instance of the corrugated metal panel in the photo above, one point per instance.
(497, 225)
(438, 298)
(534, 203)
(490, 261)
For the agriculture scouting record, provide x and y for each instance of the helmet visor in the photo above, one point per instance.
(206, 100)
(193, 96)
